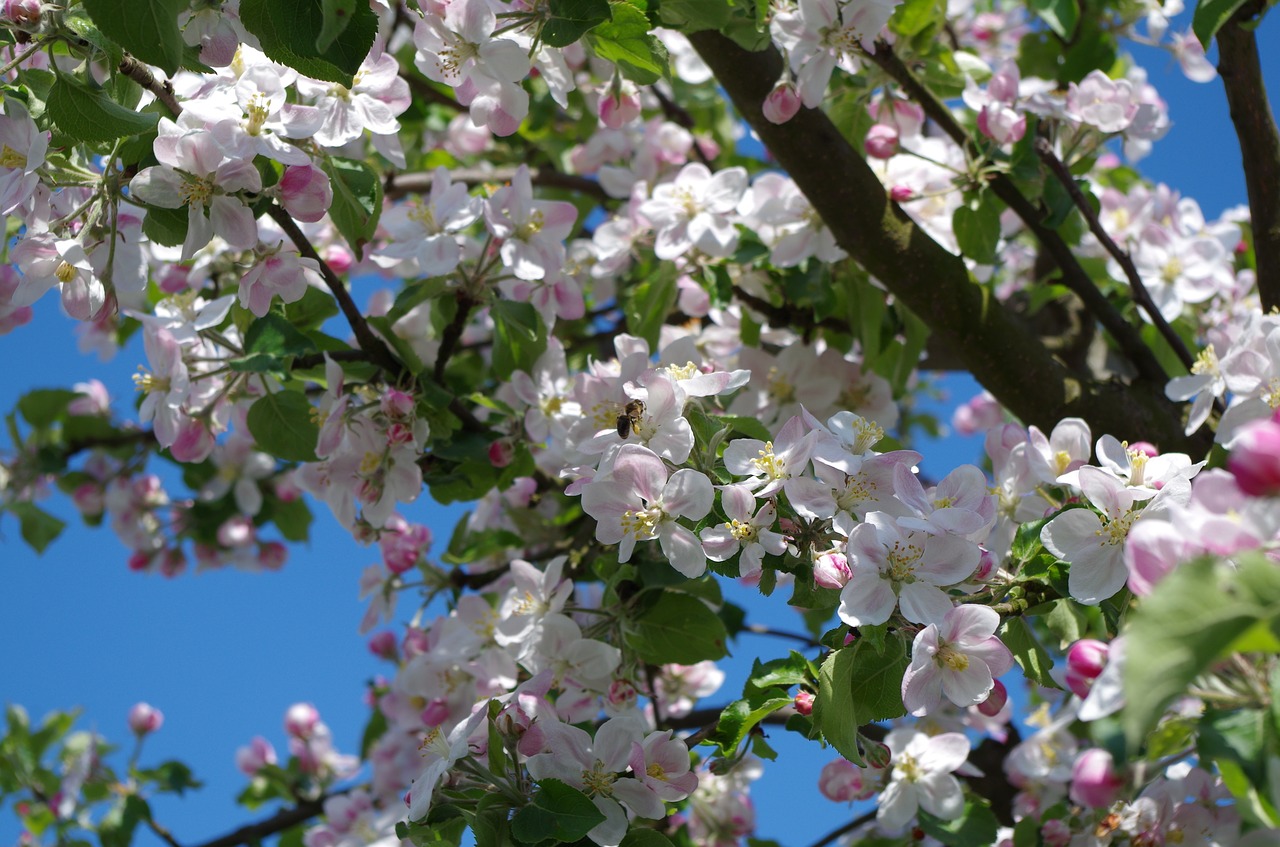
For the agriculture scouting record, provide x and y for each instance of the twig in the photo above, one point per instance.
(164, 834)
(1241, 72)
(453, 332)
(1044, 149)
(279, 822)
(397, 185)
(427, 91)
(833, 835)
(761, 629)
(1073, 275)
(141, 74)
(378, 352)
(787, 316)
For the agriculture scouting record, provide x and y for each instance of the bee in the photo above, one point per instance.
(630, 417)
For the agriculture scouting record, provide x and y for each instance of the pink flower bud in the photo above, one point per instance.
(850, 637)
(415, 643)
(24, 14)
(877, 753)
(995, 701)
(622, 694)
(174, 279)
(1146, 448)
(842, 781)
(89, 499)
(396, 404)
(384, 646)
(253, 758)
(172, 562)
(882, 141)
(782, 104)
(339, 258)
(1255, 458)
(1087, 657)
(1056, 833)
(900, 193)
(305, 192)
(236, 532)
(619, 107)
(145, 719)
(501, 452)
(513, 721)
(194, 442)
(831, 570)
(272, 555)
(399, 433)
(804, 703)
(301, 719)
(140, 560)
(1094, 781)
(987, 564)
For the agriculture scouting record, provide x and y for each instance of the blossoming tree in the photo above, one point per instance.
(656, 362)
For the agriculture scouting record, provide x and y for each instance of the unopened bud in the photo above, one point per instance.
(145, 719)
(881, 141)
(272, 555)
(782, 104)
(501, 452)
(1085, 661)
(831, 570)
(1094, 781)
(1255, 458)
(301, 719)
(877, 753)
(384, 646)
(804, 703)
(995, 701)
(305, 192)
(619, 106)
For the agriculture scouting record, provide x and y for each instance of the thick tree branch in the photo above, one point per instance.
(398, 185)
(1241, 72)
(284, 819)
(1073, 274)
(1006, 357)
(141, 74)
(1044, 149)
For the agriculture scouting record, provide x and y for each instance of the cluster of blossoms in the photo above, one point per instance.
(744, 447)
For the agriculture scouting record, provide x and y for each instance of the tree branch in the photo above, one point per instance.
(834, 835)
(141, 74)
(397, 185)
(1241, 72)
(1004, 355)
(1044, 149)
(1073, 274)
(279, 822)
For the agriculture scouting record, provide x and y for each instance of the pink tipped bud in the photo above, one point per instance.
(1087, 657)
(1255, 458)
(339, 258)
(513, 721)
(145, 719)
(501, 452)
(305, 192)
(194, 442)
(396, 404)
(140, 560)
(24, 14)
(272, 555)
(622, 694)
(850, 637)
(258, 754)
(995, 701)
(782, 104)
(173, 562)
(1056, 833)
(842, 781)
(804, 703)
(236, 532)
(877, 753)
(1094, 781)
(831, 570)
(882, 141)
(619, 107)
(900, 194)
(301, 719)
(384, 646)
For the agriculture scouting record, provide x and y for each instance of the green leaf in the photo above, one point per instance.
(312, 310)
(778, 673)
(44, 406)
(1239, 735)
(146, 28)
(292, 518)
(696, 15)
(337, 15)
(290, 32)
(88, 114)
(283, 426)
(1061, 16)
(858, 685)
(166, 226)
(676, 628)
(1211, 16)
(647, 307)
(518, 337)
(490, 825)
(914, 16)
(645, 838)
(977, 229)
(373, 730)
(172, 776)
(357, 200)
(625, 41)
(1027, 652)
(270, 342)
(117, 825)
(558, 812)
(1191, 618)
(737, 718)
(571, 19)
(976, 827)
(38, 527)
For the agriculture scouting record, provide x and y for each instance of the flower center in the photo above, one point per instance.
(148, 382)
(686, 371)
(195, 191)
(1206, 362)
(10, 158)
(655, 770)
(643, 523)
(768, 464)
(951, 658)
(598, 781)
(902, 562)
(65, 272)
(531, 227)
(744, 532)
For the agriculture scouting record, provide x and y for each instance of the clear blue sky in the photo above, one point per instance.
(224, 653)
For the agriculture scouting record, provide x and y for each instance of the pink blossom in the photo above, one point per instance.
(1255, 457)
(305, 192)
(782, 104)
(285, 274)
(959, 657)
(842, 781)
(255, 756)
(1094, 781)
(145, 719)
(881, 141)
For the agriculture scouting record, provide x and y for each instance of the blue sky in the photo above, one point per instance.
(223, 654)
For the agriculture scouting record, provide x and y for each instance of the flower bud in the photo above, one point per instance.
(173, 562)
(831, 570)
(194, 442)
(236, 532)
(501, 452)
(145, 719)
(804, 703)
(1094, 781)
(1056, 833)
(305, 192)
(436, 712)
(995, 701)
(1085, 661)
(877, 753)
(339, 258)
(1146, 448)
(900, 193)
(1255, 458)
(272, 555)
(987, 565)
(881, 141)
(254, 757)
(842, 781)
(415, 643)
(89, 499)
(396, 404)
(301, 719)
(23, 14)
(140, 560)
(782, 104)
(619, 106)
(622, 694)
(384, 646)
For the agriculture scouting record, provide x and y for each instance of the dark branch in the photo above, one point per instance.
(677, 114)
(279, 822)
(834, 835)
(1241, 71)
(1073, 274)
(1044, 149)
(1002, 353)
(141, 74)
(397, 185)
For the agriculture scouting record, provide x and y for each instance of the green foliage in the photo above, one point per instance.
(571, 19)
(741, 716)
(91, 115)
(675, 627)
(519, 337)
(648, 304)
(1192, 618)
(1211, 16)
(1027, 652)
(625, 40)
(270, 344)
(558, 813)
(977, 229)
(282, 423)
(337, 15)
(357, 199)
(976, 826)
(38, 527)
(291, 31)
(859, 685)
(146, 28)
